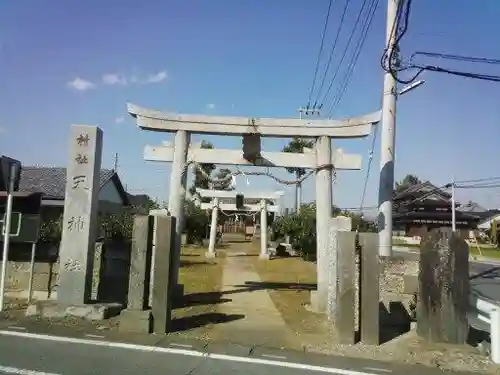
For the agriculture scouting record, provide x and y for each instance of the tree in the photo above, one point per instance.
(227, 184)
(297, 145)
(200, 181)
(406, 182)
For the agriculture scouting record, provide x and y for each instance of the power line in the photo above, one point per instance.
(332, 50)
(479, 180)
(354, 59)
(353, 31)
(370, 159)
(391, 66)
(319, 53)
(484, 60)
(486, 186)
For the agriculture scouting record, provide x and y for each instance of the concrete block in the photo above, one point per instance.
(163, 279)
(369, 309)
(136, 321)
(344, 304)
(410, 284)
(55, 310)
(140, 263)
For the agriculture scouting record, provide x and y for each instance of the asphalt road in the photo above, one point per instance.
(484, 276)
(26, 353)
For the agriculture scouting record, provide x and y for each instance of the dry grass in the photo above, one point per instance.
(202, 284)
(290, 283)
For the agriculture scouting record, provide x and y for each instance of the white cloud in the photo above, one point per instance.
(119, 120)
(156, 78)
(210, 106)
(114, 79)
(117, 79)
(81, 84)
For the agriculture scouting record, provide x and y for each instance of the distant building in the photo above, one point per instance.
(51, 182)
(424, 206)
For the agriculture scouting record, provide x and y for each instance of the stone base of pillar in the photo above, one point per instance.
(210, 255)
(136, 321)
(317, 304)
(91, 311)
(264, 256)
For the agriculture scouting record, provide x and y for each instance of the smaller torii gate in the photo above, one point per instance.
(263, 207)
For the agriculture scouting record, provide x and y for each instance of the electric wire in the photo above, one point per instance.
(354, 59)
(344, 54)
(332, 50)
(447, 56)
(320, 52)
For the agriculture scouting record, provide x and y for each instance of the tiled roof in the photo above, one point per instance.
(51, 181)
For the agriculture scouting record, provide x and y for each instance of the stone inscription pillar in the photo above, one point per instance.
(80, 215)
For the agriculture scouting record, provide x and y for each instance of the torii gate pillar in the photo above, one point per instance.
(323, 216)
(178, 181)
(263, 229)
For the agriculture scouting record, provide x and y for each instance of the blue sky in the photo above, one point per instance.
(253, 58)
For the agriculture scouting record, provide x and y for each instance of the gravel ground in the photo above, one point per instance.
(410, 349)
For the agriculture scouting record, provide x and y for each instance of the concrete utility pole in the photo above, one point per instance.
(387, 150)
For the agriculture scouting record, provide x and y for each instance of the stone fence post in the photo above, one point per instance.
(444, 287)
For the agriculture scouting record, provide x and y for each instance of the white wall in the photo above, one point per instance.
(487, 225)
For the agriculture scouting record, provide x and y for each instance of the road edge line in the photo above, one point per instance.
(191, 353)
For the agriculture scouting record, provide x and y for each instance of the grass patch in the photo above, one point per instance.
(488, 252)
(202, 280)
(290, 282)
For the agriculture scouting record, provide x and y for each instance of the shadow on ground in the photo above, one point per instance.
(251, 286)
(196, 321)
(394, 321)
(197, 299)
(188, 263)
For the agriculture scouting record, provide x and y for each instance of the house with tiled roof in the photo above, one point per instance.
(51, 182)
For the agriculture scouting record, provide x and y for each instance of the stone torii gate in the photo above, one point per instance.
(322, 159)
(215, 205)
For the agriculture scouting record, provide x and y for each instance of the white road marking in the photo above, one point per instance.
(17, 328)
(377, 369)
(96, 336)
(21, 371)
(191, 353)
(273, 356)
(181, 345)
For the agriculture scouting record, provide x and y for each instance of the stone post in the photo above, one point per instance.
(163, 282)
(136, 318)
(444, 287)
(325, 301)
(80, 215)
(369, 306)
(213, 229)
(342, 309)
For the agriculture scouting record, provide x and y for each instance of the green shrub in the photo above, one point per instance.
(116, 227)
(51, 230)
(196, 223)
(301, 228)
